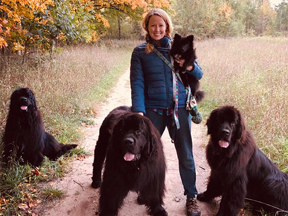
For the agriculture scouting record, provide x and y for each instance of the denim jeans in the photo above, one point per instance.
(183, 145)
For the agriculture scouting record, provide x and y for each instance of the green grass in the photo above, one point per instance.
(49, 194)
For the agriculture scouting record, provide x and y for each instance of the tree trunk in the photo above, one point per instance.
(119, 28)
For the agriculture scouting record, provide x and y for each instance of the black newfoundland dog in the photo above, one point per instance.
(239, 169)
(134, 162)
(24, 135)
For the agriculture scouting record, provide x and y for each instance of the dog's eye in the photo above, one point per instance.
(138, 132)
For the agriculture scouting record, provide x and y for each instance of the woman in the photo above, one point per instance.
(152, 85)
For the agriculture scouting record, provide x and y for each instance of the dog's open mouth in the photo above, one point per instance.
(223, 144)
(24, 108)
(131, 157)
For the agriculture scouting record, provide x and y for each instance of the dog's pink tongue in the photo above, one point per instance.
(223, 144)
(129, 157)
(23, 107)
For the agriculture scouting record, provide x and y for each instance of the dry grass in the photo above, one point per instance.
(69, 85)
(68, 88)
(252, 75)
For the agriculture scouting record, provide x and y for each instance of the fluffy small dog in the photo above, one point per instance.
(24, 135)
(134, 162)
(238, 168)
(182, 49)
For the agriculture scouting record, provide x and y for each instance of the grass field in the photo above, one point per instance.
(252, 75)
(248, 73)
(68, 87)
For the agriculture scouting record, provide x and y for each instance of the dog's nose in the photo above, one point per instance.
(226, 132)
(129, 141)
(23, 99)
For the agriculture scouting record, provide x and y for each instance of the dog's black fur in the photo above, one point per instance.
(24, 135)
(134, 162)
(182, 48)
(238, 168)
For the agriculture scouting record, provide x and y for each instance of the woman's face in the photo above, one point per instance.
(156, 27)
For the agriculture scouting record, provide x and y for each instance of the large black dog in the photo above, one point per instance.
(182, 49)
(134, 162)
(239, 169)
(24, 135)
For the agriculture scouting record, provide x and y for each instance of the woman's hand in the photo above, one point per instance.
(181, 62)
(140, 113)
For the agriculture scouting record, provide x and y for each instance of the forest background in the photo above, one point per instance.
(43, 24)
(71, 52)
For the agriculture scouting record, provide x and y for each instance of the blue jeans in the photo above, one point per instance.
(183, 145)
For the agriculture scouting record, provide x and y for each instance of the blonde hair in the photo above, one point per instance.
(145, 22)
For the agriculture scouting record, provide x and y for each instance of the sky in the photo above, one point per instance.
(276, 2)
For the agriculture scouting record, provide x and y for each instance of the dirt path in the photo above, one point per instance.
(82, 200)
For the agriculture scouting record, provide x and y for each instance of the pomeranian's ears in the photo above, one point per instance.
(190, 38)
(177, 37)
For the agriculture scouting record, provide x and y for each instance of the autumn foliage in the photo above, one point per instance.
(27, 24)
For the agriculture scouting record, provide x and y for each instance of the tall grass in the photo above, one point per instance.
(248, 73)
(252, 75)
(69, 87)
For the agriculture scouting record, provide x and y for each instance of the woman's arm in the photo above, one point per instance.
(196, 71)
(137, 83)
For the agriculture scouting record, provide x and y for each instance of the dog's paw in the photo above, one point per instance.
(159, 211)
(140, 200)
(203, 197)
(96, 184)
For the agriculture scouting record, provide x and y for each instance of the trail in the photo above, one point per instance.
(82, 200)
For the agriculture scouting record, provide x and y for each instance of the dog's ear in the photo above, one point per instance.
(209, 126)
(190, 38)
(240, 125)
(177, 37)
(211, 121)
(152, 139)
(32, 98)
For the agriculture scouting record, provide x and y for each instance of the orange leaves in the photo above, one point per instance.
(225, 10)
(133, 4)
(12, 28)
(100, 18)
(37, 23)
(3, 43)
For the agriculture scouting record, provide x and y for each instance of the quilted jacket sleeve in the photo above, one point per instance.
(137, 83)
(197, 71)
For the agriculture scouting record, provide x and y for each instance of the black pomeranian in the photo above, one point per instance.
(182, 49)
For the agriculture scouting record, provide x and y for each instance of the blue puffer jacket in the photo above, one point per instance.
(151, 79)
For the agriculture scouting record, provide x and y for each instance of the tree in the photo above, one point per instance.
(120, 10)
(282, 16)
(38, 24)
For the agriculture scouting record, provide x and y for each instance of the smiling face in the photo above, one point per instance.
(156, 28)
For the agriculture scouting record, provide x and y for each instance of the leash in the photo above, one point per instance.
(175, 86)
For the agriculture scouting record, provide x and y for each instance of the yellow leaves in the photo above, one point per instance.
(225, 10)
(3, 43)
(3, 200)
(100, 18)
(17, 47)
(23, 206)
(16, 11)
(94, 36)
